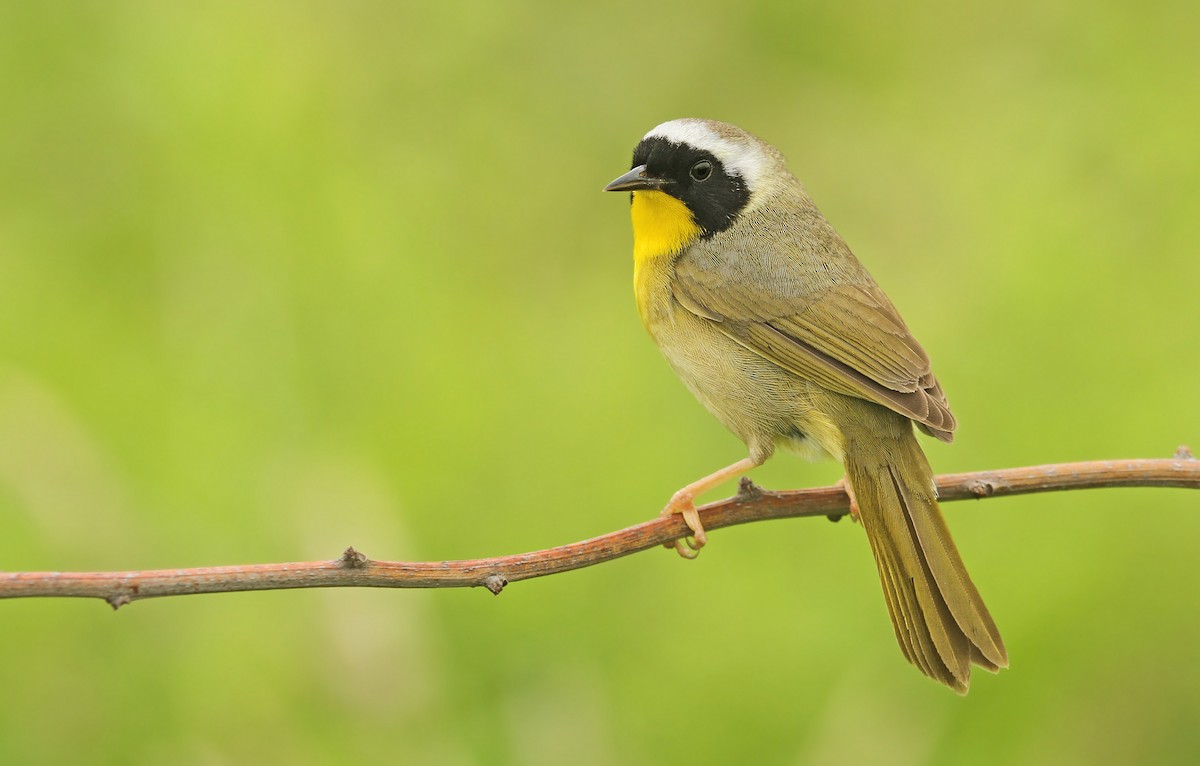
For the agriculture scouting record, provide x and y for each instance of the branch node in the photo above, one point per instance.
(119, 600)
(981, 488)
(352, 559)
(1183, 452)
(748, 490)
(495, 583)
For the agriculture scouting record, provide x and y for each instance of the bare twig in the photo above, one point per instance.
(353, 569)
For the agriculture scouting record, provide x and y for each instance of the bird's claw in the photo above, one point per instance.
(844, 483)
(687, 547)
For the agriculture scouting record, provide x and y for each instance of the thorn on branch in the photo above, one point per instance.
(119, 600)
(1182, 452)
(352, 559)
(981, 488)
(495, 583)
(748, 490)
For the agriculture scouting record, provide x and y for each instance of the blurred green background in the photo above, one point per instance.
(278, 278)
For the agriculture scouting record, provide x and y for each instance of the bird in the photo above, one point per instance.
(776, 327)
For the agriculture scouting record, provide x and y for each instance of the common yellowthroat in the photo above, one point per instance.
(775, 326)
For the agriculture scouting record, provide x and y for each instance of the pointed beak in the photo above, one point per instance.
(636, 180)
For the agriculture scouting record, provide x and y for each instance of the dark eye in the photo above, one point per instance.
(702, 170)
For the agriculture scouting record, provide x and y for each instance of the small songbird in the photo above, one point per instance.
(775, 326)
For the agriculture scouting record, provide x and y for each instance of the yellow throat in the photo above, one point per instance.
(662, 225)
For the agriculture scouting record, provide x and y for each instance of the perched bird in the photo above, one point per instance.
(775, 326)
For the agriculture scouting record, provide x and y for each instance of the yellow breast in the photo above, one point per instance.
(662, 227)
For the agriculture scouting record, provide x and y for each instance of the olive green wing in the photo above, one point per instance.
(845, 336)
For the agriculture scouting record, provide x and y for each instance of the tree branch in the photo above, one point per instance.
(751, 503)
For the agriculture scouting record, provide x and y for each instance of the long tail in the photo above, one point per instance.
(940, 619)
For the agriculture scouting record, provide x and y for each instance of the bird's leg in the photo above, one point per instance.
(683, 503)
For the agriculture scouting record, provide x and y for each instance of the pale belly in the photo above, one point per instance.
(761, 403)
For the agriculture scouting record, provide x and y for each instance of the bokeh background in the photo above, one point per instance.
(282, 277)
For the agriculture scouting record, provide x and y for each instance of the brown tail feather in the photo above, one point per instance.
(916, 641)
(939, 617)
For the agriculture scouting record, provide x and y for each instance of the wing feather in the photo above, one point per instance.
(847, 337)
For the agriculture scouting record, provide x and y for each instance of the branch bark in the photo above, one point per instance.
(751, 503)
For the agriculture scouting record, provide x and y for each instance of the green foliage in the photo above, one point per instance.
(276, 278)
